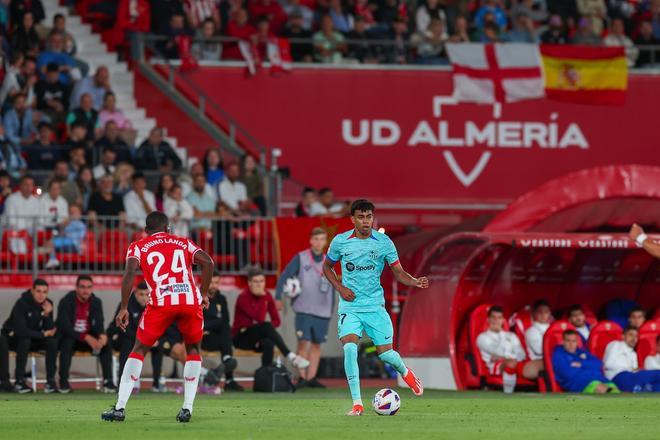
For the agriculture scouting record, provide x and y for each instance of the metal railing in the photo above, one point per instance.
(98, 244)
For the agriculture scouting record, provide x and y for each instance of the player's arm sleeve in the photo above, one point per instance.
(133, 252)
(334, 251)
(192, 250)
(225, 311)
(391, 255)
(291, 270)
(272, 311)
(21, 326)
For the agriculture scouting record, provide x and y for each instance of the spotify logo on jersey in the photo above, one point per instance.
(350, 267)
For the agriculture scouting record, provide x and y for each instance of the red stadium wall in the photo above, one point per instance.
(327, 120)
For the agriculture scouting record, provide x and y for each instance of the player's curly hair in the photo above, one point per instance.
(156, 221)
(362, 205)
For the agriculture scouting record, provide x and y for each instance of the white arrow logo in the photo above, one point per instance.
(469, 178)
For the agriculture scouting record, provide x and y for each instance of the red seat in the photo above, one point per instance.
(601, 335)
(554, 336)
(646, 346)
(207, 243)
(16, 248)
(477, 325)
(112, 246)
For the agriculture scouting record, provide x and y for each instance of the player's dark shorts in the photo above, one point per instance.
(155, 320)
(312, 328)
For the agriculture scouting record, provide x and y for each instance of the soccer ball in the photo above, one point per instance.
(292, 287)
(386, 402)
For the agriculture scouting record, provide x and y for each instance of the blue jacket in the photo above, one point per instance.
(573, 378)
(12, 124)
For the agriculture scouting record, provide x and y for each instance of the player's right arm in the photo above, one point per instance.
(637, 234)
(331, 259)
(132, 265)
(203, 260)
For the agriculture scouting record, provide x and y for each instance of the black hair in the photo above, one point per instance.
(78, 124)
(575, 308)
(569, 332)
(630, 327)
(142, 285)
(39, 282)
(362, 205)
(308, 189)
(156, 221)
(4, 173)
(138, 175)
(215, 274)
(324, 190)
(84, 278)
(25, 177)
(108, 93)
(57, 16)
(495, 309)
(254, 271)
(44, 124)
(540, 303)
(637, 309)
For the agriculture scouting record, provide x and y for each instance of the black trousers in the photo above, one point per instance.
(23, 346)
(69, 345)
(262, 338)
(219, 341)
(4, 360)
(125, 346)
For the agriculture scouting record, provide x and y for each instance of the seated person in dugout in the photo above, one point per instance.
(503, 353)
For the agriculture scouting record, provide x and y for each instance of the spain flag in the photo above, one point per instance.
(584, 74)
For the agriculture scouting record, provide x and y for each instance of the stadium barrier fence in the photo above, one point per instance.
(98, 244)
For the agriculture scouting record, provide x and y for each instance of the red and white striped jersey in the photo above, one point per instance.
(166, 262)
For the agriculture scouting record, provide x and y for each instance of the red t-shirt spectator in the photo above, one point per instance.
(239, 30)
(252, 309)
(270, 9)
(132, 16)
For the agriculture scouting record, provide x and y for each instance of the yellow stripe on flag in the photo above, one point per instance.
(577, 74)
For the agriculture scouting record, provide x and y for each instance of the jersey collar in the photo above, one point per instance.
(353, 235)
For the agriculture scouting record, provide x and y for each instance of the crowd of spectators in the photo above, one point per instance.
(575, 368)
(353, 31)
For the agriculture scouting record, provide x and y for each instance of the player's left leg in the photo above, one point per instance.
(190, 322)
(349, 328)
(378, 327)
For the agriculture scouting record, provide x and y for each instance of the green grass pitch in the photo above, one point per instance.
(312, 414)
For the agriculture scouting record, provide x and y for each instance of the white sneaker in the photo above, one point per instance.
(52, 264)
(300, 362)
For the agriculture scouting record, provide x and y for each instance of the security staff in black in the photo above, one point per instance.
(30, 327)
(217, 332)
(80, 328)
(123, 341)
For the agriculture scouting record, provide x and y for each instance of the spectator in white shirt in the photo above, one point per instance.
(139, 202)
(617, 37)
(621, 367)
(541, 316)
(503, 353)
(327, 206)
(233, 192)
(53, 209)
(22, 207)
(179, 211)
(107, 164)
(652, 362)
(578, 319)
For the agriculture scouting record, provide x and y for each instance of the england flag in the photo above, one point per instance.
(489, 73)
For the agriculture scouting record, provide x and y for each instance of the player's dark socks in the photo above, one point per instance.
(314, 383)
(230, 365)
(302, 383)
(113, 415)
(183, 416)
(232, 385)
